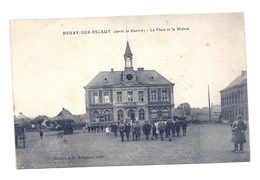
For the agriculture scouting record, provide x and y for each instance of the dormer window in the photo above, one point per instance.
(105, 80)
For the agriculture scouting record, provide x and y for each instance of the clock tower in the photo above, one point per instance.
(128, 57)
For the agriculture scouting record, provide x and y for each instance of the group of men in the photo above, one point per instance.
(155, 129)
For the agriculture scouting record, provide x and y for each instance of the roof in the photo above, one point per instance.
(65, 113)
(242, 79)
(128, 50)
(114, 78)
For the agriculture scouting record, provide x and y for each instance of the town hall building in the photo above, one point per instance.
(145, 95)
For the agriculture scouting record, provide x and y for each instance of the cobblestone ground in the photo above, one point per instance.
(204, 143)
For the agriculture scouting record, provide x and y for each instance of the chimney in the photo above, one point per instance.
(243, 73)
(112, 70)
(140, 69)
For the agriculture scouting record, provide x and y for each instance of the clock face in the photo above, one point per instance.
(129, 77)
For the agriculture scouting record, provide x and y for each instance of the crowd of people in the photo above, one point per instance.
(151, 130)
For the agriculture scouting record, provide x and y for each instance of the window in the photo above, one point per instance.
(128, 62)
(153, 95)
(141, 96)
(107, 115)
(130, 96)
(141, 114)
(94, 97)
(106, 98)
(120, 115)
(119, 96)
(164, 95)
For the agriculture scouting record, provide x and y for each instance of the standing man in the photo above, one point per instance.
(178, 127)
(161, 127)
(133, 129)
(154, 135)
(184, 127)
(114, 128)
(137, 130)
(127, 129)
(121, 128)
(168, 128)
(147, 129)
(240, 137)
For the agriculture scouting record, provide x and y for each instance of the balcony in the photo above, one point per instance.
(130, 104)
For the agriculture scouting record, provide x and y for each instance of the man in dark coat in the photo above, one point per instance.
(137, 131)
(184, 127)
(147, 129)
(168, 128)
(178, 126)
(127, 129)
(161, 127)
(240, 137)
(114, 128)
(133, 130)
(121, 129)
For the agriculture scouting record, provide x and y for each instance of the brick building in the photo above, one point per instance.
(135, 94)
(234, 98)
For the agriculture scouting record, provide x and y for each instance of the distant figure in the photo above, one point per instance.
(121, 129)
(184, 128)
(107, 130)
(127, 130)
(154, 132)
(161, 127)
(133, 130)
(231, 121)
(178, 127)
(89, 128)
(168, 128)
(147, 129)
(137, 131)
(84, 129)
(233, 138)
(114, 128)
(41, 134)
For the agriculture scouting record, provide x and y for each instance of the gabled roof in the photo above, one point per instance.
(113, 78)
(65, 113)
(242, 79)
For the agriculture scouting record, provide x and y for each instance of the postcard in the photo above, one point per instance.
(130, 90)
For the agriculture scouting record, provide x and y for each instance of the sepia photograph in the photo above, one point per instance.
(130, 90)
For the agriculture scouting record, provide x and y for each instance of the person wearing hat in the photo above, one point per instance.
(161, 127)
(121, 129)
(147, 129)
(240, 137)
(137, 130)
(127, 129)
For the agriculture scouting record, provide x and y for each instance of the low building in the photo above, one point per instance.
(134, 94)
(234, 100)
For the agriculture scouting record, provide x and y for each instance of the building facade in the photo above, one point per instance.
(112, 96)
(234, 100)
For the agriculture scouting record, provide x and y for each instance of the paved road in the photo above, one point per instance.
(205, 143)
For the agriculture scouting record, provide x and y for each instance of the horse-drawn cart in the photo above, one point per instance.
(19, 135)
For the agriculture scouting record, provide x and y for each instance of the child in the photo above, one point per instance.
(107, 130)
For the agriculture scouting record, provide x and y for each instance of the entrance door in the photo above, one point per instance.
(131, 114)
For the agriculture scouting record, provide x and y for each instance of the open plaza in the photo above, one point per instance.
(204, 143)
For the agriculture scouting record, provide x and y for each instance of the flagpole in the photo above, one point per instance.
(209, 105)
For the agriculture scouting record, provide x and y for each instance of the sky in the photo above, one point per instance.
(51, 67)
